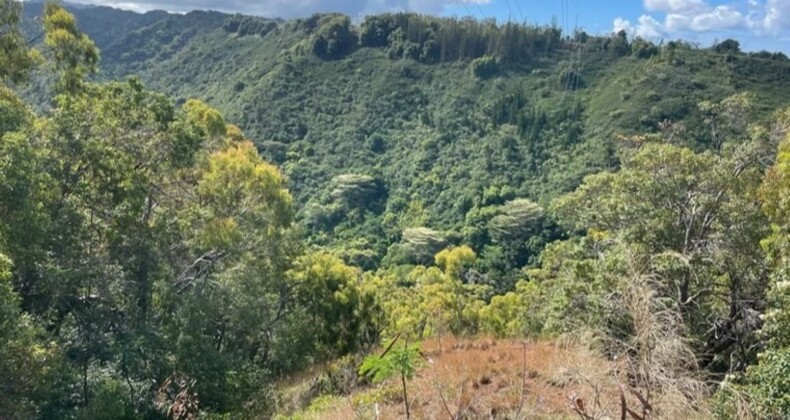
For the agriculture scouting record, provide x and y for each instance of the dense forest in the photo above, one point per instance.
(197, 208)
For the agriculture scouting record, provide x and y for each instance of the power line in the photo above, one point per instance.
(482, 14)
(507, 2)
(468, 11)
(562, 14)
(520, 13)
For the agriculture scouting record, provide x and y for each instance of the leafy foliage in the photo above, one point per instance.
(25, 360)
(765, 384)
(17, 59)
(75, 54)
(341, 317)
(399, 360)
(248, 26)
(396, 99)
(395, 360)
(452, 176)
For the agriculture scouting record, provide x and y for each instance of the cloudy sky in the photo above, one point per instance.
(757, 24)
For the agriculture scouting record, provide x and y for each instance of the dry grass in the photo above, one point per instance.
(656, 370)
(661, 364)
(483, 379)
(653, 377)
(653, 374)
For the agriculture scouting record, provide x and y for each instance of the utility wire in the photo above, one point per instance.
(520, 13)
(507, 2)
(482, 14)
(468, 11)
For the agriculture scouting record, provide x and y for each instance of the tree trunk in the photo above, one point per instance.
(405, 396)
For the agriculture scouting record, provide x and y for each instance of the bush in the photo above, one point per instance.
(729, 46)
(641, 48)
(570, 79)
(355, 191)
(421, 244)
(248, 25)
(109, 401)
(485, 66)
(334, 38)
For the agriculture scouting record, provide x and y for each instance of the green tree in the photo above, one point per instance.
(230, 288)
(333, 37)
(136, 227)
(697, 219)
(74, 53)
(340, 316)
(395, 360)
(16, 59)
(728, 46)
(14, 113)
(766, 384)
(24, 358)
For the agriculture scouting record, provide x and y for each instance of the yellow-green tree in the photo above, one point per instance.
(75, 55)
(338, 315)
(431, 301)
(514, 314)
(236, 245)
(208, 121)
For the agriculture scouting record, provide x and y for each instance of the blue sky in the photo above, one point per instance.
(757, 24)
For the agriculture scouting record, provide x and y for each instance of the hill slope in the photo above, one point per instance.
(408, 104)
(476, 379)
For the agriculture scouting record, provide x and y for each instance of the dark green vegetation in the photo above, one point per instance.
(451, 118)
(435, 176)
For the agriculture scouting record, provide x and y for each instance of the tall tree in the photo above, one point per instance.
(75, 55)
(767, 384)
(16, 59)
(697, 218)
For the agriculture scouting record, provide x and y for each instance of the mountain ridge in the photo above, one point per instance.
(529, 111)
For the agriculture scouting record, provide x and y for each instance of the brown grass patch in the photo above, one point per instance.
(494, 379)
(482, 378)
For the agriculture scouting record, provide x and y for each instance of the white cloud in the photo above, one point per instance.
(621, 24)
(777, 16)
(670, 17)
(288, 8)
(647, 27)
(716, 19)
(674, 6)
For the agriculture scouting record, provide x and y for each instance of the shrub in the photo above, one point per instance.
(334, 38)
(357, 191)
(485, 66)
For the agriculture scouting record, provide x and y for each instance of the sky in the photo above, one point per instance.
(756, 24)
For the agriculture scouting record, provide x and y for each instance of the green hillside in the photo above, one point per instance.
(234, 217)
(405, 107)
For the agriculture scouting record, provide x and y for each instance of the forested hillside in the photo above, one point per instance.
(415, 122)
(195, 208)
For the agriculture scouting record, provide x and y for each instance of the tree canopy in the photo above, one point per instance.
(404, 178)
